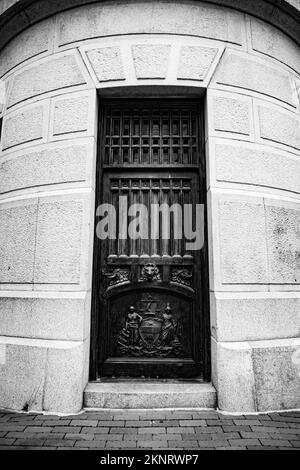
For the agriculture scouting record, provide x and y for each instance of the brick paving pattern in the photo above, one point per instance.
(150, 429)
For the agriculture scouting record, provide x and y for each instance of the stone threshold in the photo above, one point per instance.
(142, 394)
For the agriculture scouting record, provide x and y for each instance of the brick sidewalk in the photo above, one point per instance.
(150, 429)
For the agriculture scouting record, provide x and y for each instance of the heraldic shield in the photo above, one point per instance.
(150, 330)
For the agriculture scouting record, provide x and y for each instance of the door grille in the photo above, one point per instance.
(152, 134)
(170, 191)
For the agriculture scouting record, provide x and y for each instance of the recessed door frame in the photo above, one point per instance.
(94, 350)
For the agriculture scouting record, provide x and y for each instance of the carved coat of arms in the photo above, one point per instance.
(150, 332)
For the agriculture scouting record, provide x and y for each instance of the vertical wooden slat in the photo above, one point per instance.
(176, 200)
(113, 199)
(135, 187)
(155, 220)
(165, 243)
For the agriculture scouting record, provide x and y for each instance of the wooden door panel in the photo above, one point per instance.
(149, 328)
(150, 324)
(163, 187)
(149, 294)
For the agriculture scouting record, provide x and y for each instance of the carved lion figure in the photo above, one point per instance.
(150, 272)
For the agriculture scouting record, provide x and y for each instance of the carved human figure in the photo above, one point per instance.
(132, 325)
(168, 337)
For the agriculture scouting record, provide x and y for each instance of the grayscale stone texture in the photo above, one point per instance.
(52, 64)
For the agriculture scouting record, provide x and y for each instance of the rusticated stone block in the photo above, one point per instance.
(17, 239)
(251, 165)
(283, 238)
(67, 375)
(201, 19)
(251, 74)
(24, 126)
(242, 242)
(107, 63)
(100, 20)
(151, 61)
(26, 45)
(151, 17)
(272, 42)
(277, 378)
(257, 375)
(195, 62)
(54, 318)
(258, 316)
(48, 166)
(232, 375)
(231, 115)
(49, 75)
(58, 242)
(71, 115)
(43, 375)
(22, 377)
(279, 126)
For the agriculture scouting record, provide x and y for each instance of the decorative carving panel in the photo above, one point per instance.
(150, 325)
(150, 273)
(116, 276)
(182, 275)
(150, 332)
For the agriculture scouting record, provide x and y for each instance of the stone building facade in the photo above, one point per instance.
(58, 60)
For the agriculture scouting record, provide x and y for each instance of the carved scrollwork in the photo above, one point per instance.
(150, 273)
(116, 276)
(149, 332)
(182, 276)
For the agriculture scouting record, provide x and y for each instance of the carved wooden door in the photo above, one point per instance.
(150, 293)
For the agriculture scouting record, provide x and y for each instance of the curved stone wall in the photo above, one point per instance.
(50, 76)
